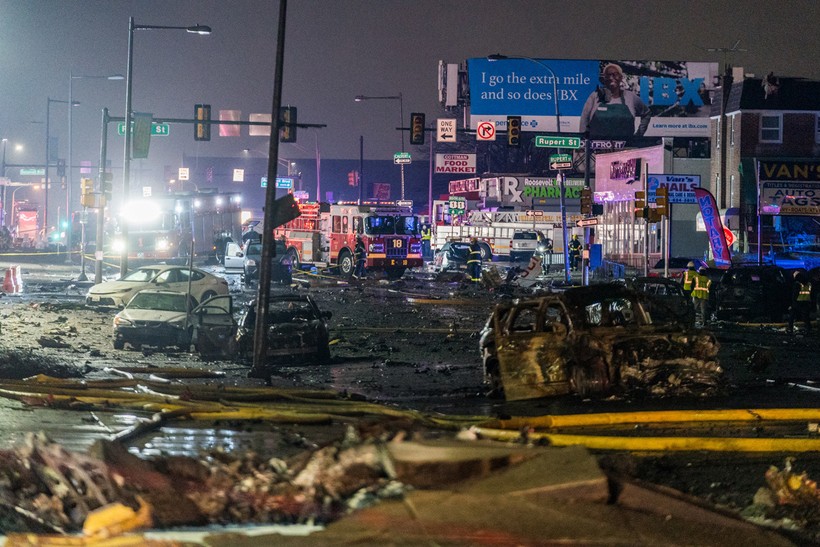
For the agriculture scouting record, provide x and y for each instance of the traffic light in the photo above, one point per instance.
(586, 201)
(202, 131)
(87, 192)
(416, 128)
(514, 131)
(662, 201)
(108, 189)
(287, 124)
(60, 168)
(640, 204)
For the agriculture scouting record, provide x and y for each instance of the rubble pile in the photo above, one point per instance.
(46, 488)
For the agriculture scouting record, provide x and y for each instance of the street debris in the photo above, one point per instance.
(792, 488)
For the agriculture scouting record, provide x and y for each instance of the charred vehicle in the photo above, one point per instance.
(297, 330)
(594, 340)
(666, 299)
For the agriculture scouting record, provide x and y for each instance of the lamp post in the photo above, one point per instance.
(70, 180)
(126, 170)
(3, 176)
(560, 176)
(360, 98)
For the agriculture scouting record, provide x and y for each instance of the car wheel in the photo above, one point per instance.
(206, 295)
(295, 263)
(119, 344)
(346, 264)
(589, 379)
(486, 252)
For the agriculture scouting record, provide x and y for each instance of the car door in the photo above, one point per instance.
(530, 342)
(214, 326)
(234, 257)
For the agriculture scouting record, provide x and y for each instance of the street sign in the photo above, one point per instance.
(560, 161)
(183, 173)
(24, 172)
(557, 141)
(281, 182)
(586, 222)
(485, 131)
(446, 130)
(157, 129)
(401, 158)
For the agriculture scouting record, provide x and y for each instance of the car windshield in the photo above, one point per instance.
(285, 311)
(254, 249)
(380, 225)
(158, 301)
(141, 274)
(525, 235)
(408, 225)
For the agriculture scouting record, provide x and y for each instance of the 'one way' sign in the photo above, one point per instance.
(446, 130)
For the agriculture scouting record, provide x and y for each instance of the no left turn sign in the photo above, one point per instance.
(485, 131)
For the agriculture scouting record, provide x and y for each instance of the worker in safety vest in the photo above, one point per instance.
(426, 237)
(474, 261)
(700, 296)
(800, 307)
(544, 248)
(689, 278)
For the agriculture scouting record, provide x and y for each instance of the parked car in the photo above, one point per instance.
(523, 246)
(677, 265)
(666, 299)
(452, 255)
(172, 278)
(297, 330)
(249, 258)
(155, 317)
(594, 340)
(753, 292)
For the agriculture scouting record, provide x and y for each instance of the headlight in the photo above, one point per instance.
(121, 321)
(163, 245)
(251, 262)
(118, 245)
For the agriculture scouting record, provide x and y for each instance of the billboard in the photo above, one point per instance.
(610, 99)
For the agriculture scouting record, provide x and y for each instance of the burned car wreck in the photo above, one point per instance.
(593, 340)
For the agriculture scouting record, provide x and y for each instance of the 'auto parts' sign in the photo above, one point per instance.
(455, 163)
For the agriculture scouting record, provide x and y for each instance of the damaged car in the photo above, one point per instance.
(595, 340)
(297, 330)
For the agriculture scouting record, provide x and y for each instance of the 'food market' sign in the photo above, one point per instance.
(455, 163)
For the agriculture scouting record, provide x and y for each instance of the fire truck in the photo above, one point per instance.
(495, 229)
(325, 235)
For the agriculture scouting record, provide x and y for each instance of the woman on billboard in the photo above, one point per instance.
(611, 110)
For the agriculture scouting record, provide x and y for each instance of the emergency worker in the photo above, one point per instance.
(426, 237)
(574, 253)
(700, 296)
(800, 307)
(360, 256)
(474, 261)
(689, 278)
(544, 248)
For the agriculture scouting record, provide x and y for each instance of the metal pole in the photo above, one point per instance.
(68, 173)
(759, 223)
(645, 168)
(401, 124)
(126, 164)
(45, 195)
(99, 244)
(361, 167)
(3, 196)
(318, 170)
(430, 186)
(260, 340)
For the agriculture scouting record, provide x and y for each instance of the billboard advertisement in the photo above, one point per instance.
(524, 191)
(610, 99)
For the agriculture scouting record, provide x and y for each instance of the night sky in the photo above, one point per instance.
(335, 50)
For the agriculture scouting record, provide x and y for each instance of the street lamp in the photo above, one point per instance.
(69, 180)
(126, 171)
(360, 98)
(48, 138)
(560, 176)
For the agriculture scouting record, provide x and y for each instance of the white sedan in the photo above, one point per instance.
(172, 278)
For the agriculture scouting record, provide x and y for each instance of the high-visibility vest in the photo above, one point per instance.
(804, 294)
(425, 233)
(701, 288)
(688, 278)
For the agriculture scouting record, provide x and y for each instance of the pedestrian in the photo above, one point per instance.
(474, 261)
(574, 253)
(360, 257)
(689, 278)
(544, 248)
(800, 308)
(700, 296)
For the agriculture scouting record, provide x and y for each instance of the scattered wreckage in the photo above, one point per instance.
(594, 340)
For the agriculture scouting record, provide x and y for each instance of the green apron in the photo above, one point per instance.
(612, 121)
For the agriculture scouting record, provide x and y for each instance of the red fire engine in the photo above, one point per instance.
(325, 235)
